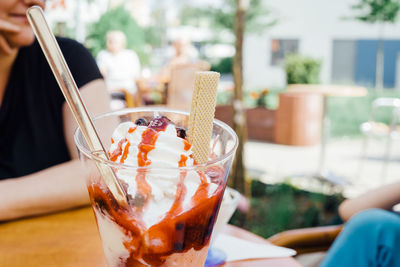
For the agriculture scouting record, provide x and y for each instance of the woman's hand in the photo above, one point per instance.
(7, 27)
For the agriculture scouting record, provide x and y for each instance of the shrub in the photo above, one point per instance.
(225, 65)
(302, 69)
(279, 207)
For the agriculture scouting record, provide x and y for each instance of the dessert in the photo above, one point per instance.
(173, 204)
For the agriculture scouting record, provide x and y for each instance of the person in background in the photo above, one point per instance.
(119, 66)
(185, 53)
(39, 167)
(371, 237)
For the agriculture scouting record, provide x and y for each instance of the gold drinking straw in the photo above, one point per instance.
(71, 93)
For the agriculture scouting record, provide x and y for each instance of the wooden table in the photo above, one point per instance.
(329, 90)
(71, 239)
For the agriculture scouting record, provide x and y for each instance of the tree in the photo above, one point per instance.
(381, 12)
(236, 17)
(256, 18)
(239, 119)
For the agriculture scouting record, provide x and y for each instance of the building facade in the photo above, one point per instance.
(323, 30)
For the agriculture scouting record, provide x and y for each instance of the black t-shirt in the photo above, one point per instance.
(31, 122)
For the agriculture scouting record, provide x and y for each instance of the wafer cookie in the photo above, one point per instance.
(202, 114)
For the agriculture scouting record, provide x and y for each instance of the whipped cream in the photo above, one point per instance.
(168, 147)
(162, 174)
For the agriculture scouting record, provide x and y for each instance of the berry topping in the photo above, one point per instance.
(141, 122)
(178, 246)
(159, 123)
(179, 226)
(181, 132)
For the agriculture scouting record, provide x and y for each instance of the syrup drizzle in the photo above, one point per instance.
(147, 144)
(126, 151)
(118, 151)
(187, 145)
(131, 129)
(182, 161)
(202, 191)
(180, 195)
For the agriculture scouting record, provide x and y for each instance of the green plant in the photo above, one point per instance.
(223, 66)
(116, 19)
(302, 69)
(258, 98)
(279, 207)
(224, 97)
(262, 98)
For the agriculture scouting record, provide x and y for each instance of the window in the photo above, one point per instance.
(280, 48)
(344, 61)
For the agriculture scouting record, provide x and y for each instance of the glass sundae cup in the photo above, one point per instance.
(172, 210)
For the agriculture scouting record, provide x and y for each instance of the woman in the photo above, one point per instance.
(371, 237)
(39, 169)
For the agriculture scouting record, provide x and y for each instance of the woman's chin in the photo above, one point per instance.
(21, 39)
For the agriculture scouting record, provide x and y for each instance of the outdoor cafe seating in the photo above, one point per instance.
(376, 128)
(175, 92)
(179, 90)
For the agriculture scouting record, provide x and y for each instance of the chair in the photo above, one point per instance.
(124, 99)
(131, 100)
(375, 128)
(180, 87)
(147, 88)
(307, 240)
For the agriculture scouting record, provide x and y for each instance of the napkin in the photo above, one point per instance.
(240, 249)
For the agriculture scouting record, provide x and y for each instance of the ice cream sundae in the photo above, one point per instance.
(173, 204)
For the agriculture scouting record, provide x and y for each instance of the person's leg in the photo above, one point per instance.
(370, 238)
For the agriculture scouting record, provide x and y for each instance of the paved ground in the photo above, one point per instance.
(274, 163)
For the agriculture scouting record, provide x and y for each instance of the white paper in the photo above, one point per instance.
(240, 249)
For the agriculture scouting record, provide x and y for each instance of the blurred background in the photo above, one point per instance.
(311, 88)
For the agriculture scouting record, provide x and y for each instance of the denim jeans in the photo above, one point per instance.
(370, 238)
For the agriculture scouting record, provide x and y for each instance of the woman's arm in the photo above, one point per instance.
(384, 197)
(56, 188)
(59, 187)
(97, 101)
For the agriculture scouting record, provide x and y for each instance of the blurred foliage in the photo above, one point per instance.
(267, 98)
(224, 66)
(261, 100)
(224, 97)
(156, 32)
(347, 113)
(117, 19)
(279, 207)
(302, 69)
(61, 29)
(152, 35)
(258, 16)
(373, 11)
